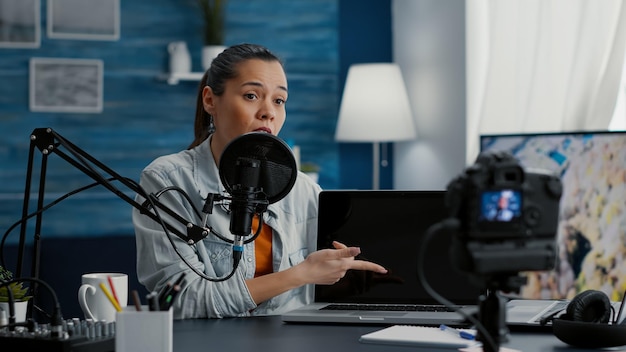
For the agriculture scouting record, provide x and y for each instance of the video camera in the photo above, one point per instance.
(507, 217)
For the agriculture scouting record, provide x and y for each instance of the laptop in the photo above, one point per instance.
(388, 226)
(537, 314)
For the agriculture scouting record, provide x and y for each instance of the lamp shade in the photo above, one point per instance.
(375, 105)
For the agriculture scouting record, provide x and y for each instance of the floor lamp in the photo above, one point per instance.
(375, 108)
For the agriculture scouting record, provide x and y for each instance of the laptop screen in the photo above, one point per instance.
(388, 226)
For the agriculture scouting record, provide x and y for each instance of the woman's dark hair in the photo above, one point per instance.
(223, 68)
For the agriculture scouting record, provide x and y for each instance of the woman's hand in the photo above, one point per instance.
(327, 266)
(324, 267)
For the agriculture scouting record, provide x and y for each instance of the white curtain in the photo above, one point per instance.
(542, 65)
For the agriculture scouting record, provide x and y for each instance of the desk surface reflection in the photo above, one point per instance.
(271, 334)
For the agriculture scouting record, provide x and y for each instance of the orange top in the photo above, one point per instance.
(262, 248)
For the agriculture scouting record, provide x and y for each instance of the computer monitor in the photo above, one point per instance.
(592, 216)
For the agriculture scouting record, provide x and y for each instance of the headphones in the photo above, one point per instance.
(587, 322)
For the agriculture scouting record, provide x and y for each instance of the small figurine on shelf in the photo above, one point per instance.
(180, 60)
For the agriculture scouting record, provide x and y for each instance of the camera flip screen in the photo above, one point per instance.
(501, 206)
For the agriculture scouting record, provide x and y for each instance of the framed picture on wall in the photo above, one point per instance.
(66, 85)
(84, 19)
(20, 24)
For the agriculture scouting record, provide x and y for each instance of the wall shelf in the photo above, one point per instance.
(174, 78)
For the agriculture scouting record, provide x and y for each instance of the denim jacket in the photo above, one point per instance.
(293, 220)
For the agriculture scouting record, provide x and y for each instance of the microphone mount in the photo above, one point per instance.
(49, 142)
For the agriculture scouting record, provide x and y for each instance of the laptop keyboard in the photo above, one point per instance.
(391, 307)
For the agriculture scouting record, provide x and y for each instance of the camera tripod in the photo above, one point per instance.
(492, 309)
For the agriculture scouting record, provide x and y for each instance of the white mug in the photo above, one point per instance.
(94, 302)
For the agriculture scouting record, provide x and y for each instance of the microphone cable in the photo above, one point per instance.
(56, 320)
(46, 207)
(150, 200)
(447, 224)
(205, 210)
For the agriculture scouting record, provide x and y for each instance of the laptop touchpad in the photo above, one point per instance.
(379, 314)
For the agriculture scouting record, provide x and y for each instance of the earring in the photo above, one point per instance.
(211, 127)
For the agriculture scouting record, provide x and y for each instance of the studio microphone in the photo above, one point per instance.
(246, 195)
(257, 169)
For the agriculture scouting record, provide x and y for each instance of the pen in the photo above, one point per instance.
(164, 292)
(153, 301)
(460, 333)
(168, 289)
(180, 279)
(110, 297)
(170, 298)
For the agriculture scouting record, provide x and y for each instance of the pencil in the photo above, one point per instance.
(110, 297)
(113, 290)
(136, 300)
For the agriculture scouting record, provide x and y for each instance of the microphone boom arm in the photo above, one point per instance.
(48, 142)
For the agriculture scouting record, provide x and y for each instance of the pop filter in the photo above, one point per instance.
(277, 169)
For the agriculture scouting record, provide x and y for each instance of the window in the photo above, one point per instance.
(618, 122)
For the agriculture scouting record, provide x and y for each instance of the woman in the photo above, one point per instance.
(244, 90)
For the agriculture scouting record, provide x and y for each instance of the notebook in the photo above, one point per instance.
(419, 336)
(388, 226)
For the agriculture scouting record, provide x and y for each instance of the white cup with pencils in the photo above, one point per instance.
(101, 295)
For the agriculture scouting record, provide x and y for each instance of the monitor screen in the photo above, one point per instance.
(592, 215)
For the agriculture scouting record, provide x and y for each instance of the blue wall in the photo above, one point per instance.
(364, 37)
(144, 117)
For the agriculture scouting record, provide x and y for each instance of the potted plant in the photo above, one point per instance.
(213, 31)
(20, 295)
(311, 169)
